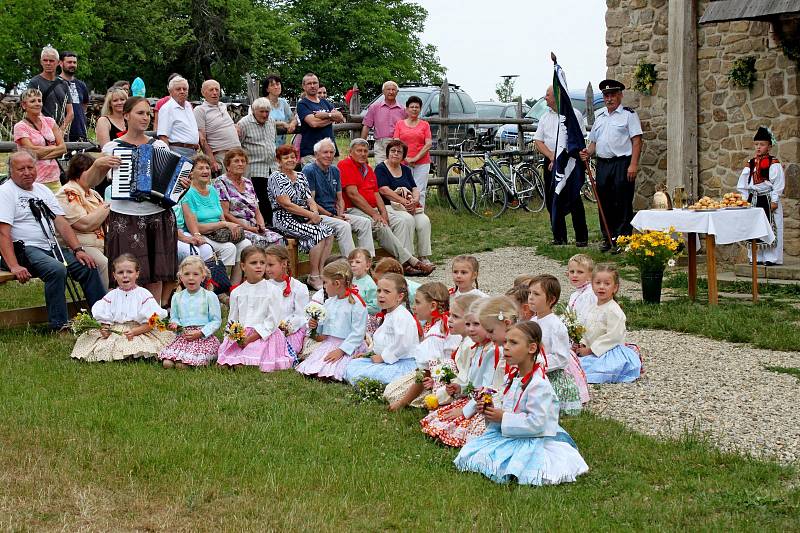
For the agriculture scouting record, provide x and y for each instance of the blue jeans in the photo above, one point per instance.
(45, 267)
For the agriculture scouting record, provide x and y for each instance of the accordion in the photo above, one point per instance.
(149, 174)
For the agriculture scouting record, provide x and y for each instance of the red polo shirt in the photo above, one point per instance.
(362, 176)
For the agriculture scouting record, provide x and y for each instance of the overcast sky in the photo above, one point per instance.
(480, 40)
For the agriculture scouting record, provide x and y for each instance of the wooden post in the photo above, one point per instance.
(691, 240)
(754, 248)
(441, 137)
(355, 109)
(520, 132)
(682, 97)
(711, 268)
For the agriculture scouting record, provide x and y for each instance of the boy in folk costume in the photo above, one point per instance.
(762, 182)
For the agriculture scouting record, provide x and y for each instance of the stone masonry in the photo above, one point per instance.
(727, 116)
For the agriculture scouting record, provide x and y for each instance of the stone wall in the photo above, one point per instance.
(727, 116)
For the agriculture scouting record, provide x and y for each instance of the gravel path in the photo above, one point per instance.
(692, 384)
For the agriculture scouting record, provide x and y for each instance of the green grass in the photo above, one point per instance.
(785, 370)
(132, 446)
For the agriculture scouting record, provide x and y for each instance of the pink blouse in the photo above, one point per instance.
(47, 170)
(415, 138)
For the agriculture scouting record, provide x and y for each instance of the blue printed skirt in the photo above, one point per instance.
(620, 364)
(383, 372)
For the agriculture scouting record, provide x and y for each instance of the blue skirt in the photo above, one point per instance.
(620, 364)
(529, 460)
(385, 373)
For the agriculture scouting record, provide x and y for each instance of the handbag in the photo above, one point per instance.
(219, 281)
(224, 235)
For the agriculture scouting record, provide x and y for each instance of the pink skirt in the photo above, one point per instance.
(199, 352)
(230, 353)
(281, 347)
(575, 370)
(315, 365)
(453, 432)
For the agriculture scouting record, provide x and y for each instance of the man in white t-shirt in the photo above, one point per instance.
(550, 129)
(32, 256)
(177, 125)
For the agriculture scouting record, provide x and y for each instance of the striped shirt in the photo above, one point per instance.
(259, 142)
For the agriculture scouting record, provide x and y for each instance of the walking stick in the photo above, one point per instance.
(599, 204)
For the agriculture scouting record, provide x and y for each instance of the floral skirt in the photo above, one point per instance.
(230, 353)
(92, 347)
(315, 365)
(397, 389)
(198, 352)
(453, 432)
(279, 347)
(569, 397)
(528, 460)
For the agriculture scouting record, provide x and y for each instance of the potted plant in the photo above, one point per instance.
(650, 252)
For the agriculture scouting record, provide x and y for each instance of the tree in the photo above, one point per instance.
(505, 90)
(362, 41)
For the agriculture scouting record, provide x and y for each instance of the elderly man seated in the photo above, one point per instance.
(26, 238)
(395, 229)
(326, 188)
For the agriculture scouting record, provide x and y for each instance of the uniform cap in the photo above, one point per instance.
(608, 86)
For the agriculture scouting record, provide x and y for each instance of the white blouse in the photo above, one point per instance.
(774, 186)
(431, 348)
(583, 300)
(397, 336)
(484, 373)
(555, 339)
(477, 292)
(605, 328)
(257, 306)
(292, 308)
(532, 412)
(118, 306)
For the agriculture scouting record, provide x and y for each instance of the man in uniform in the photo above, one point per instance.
(616, 138)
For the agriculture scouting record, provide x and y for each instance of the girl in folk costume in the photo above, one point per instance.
(583, 299)
(343, 328)
(431, 306)
(387, 265)
(125, 313)
(762, 182)
(391, 353)
(197, 311)
(360, 263)
(604, 355)
(487, 320)
(519, 293)
(465, 276)
(291, 310)
(562, 366)
(255, 305)
(523, 440)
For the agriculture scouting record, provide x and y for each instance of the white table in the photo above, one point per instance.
(723, 226)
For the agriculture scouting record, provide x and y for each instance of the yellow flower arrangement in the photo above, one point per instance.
(651, 250)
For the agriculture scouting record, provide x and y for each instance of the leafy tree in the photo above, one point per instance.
(361, 41)
(505, 90)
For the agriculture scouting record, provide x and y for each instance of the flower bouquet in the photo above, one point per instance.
(161, 324)
(315, 311)
(443, 373)
(235, 332)
(84, 322)
(368, 389)
(285, 327)
(650, 252)
(484, 396)
(569, 317)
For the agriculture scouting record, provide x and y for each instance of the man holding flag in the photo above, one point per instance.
(563, 170)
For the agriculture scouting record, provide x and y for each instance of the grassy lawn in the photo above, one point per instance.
(132, 446)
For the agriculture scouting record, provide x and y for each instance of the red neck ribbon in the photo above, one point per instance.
(480, 344)
(451, 291)
(420, 331)
(526, 379)
(288, 289)
(436, 316)
(353, 291)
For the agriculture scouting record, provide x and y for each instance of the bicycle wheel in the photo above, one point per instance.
(483, 194)
(455, 173)
(530, 187)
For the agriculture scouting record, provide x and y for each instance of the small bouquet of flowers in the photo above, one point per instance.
(315, 311)
(570, 319)
(650, 251)
(368, 389)
(161, 324)
(443, 373)
(84, 322)
(483, 396)
(285, 327)
(235, 332)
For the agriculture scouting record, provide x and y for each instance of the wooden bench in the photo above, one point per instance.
(29, 315)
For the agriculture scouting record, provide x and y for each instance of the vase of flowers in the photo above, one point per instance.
(651, 252)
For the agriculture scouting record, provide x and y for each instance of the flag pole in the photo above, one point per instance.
(589, 173)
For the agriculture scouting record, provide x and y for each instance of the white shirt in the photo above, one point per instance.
(397, 336)
(477, 292)
(484, 373)
(118, 306)
(532, 412)
(551, 124)
(432, 346)
(177, 123)
(555, 339)
(612, 133)
(256, 305)
(582, 301)
(774, 186)
(129, 207)
(292, 308)
(605, 328)
(16, 212)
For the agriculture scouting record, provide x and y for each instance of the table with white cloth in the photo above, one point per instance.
(720, 226)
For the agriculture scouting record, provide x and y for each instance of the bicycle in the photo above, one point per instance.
(488, 191)
(456, 171)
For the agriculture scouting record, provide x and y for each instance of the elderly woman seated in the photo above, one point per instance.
(400, 194)
(296, 214)
(85, 209)
(203, 219)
